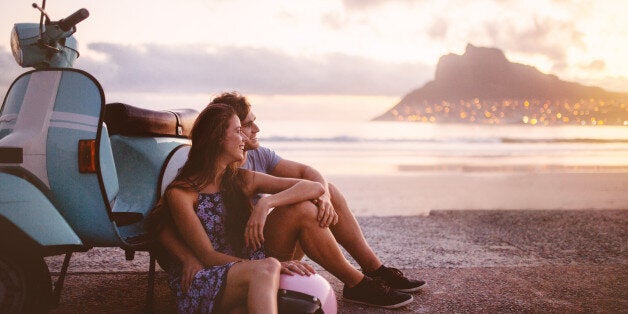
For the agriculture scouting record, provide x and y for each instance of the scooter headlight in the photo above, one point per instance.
(16, 48)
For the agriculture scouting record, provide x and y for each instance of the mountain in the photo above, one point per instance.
(485, 75)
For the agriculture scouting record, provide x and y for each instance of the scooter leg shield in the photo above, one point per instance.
(27, 208)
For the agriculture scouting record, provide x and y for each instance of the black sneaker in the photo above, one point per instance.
(395, 279)
(375, 293)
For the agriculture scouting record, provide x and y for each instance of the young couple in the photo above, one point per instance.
(231, 244)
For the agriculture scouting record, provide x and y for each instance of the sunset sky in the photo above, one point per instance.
(369, 51)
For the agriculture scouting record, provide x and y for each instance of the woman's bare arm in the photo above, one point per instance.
(181, 203)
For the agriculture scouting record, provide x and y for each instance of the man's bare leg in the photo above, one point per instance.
(285, 226)
(348, 233)
(289, 224)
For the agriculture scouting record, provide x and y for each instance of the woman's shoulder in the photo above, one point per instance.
(178, 192)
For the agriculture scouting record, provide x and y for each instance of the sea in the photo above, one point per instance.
(339, 137)
(343, 139)
(378, 147)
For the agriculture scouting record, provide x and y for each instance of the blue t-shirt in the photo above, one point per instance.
(261, 159)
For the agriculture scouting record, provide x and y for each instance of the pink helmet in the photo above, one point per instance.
(306, 294)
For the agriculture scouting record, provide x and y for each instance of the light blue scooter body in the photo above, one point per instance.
(128, 168)
(139, 163)
(26, 208)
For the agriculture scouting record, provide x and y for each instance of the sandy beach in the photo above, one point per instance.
(510, 242)
(418, 193)
(475, 261)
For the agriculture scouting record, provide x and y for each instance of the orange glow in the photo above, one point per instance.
(537, 112)
(87, 156)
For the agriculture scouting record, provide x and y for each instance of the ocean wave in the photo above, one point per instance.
(491, 140)
(565, 140)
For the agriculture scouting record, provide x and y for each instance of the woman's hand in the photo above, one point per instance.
(296, 267)
(190, 268)
(327, 215)
(254, 231)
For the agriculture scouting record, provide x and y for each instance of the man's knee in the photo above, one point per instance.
(305, 210)
(333, 190)
(299, 211)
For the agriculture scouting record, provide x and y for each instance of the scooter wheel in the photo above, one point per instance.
(25, 285)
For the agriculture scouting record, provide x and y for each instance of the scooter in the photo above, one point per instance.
(74, 173)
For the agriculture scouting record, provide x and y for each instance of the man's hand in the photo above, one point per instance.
(326, 213)
(190, 268)
(296, 267)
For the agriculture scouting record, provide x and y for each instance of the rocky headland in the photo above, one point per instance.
(483, 86)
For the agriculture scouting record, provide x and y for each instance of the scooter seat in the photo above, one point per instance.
(128, 120)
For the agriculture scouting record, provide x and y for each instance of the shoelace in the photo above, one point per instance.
(381, 286)
(396, 272)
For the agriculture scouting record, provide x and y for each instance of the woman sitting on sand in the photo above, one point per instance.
(208, 203)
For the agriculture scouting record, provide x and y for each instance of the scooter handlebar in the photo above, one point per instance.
(67, 23)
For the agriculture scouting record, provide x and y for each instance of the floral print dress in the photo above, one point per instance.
(208, 284)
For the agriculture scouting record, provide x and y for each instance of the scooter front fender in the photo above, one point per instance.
(26, 212)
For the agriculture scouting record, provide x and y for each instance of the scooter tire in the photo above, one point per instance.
(25, 284)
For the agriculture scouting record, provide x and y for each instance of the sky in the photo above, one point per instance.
(322, 52)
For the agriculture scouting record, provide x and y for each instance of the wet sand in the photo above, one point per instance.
(417, 193)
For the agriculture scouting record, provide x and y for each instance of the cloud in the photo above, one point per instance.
(545, 37)
(438, 29)
(10, 70)
(333, 20)
(595, 66)
(195, 68)
(367, 4)
(362, 4)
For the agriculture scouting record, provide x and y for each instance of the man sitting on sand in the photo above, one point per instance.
(333, 211)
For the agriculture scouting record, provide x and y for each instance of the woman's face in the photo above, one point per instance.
(233, 145)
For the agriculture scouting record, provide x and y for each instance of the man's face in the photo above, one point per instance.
(250, 129)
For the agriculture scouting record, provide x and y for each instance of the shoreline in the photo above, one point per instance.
(418, 193)
(532, 168)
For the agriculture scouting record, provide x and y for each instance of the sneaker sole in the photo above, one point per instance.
(412, 289)
(393, 306)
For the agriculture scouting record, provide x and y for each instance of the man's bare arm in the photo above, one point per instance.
(175, 246)
(291, 169)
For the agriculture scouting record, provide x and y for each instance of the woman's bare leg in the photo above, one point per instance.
(349, 235)
(289, 224)
(257, 282)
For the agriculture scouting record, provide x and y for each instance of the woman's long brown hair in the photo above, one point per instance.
(200, 169)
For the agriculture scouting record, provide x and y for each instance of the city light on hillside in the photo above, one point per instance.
(514, 111)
